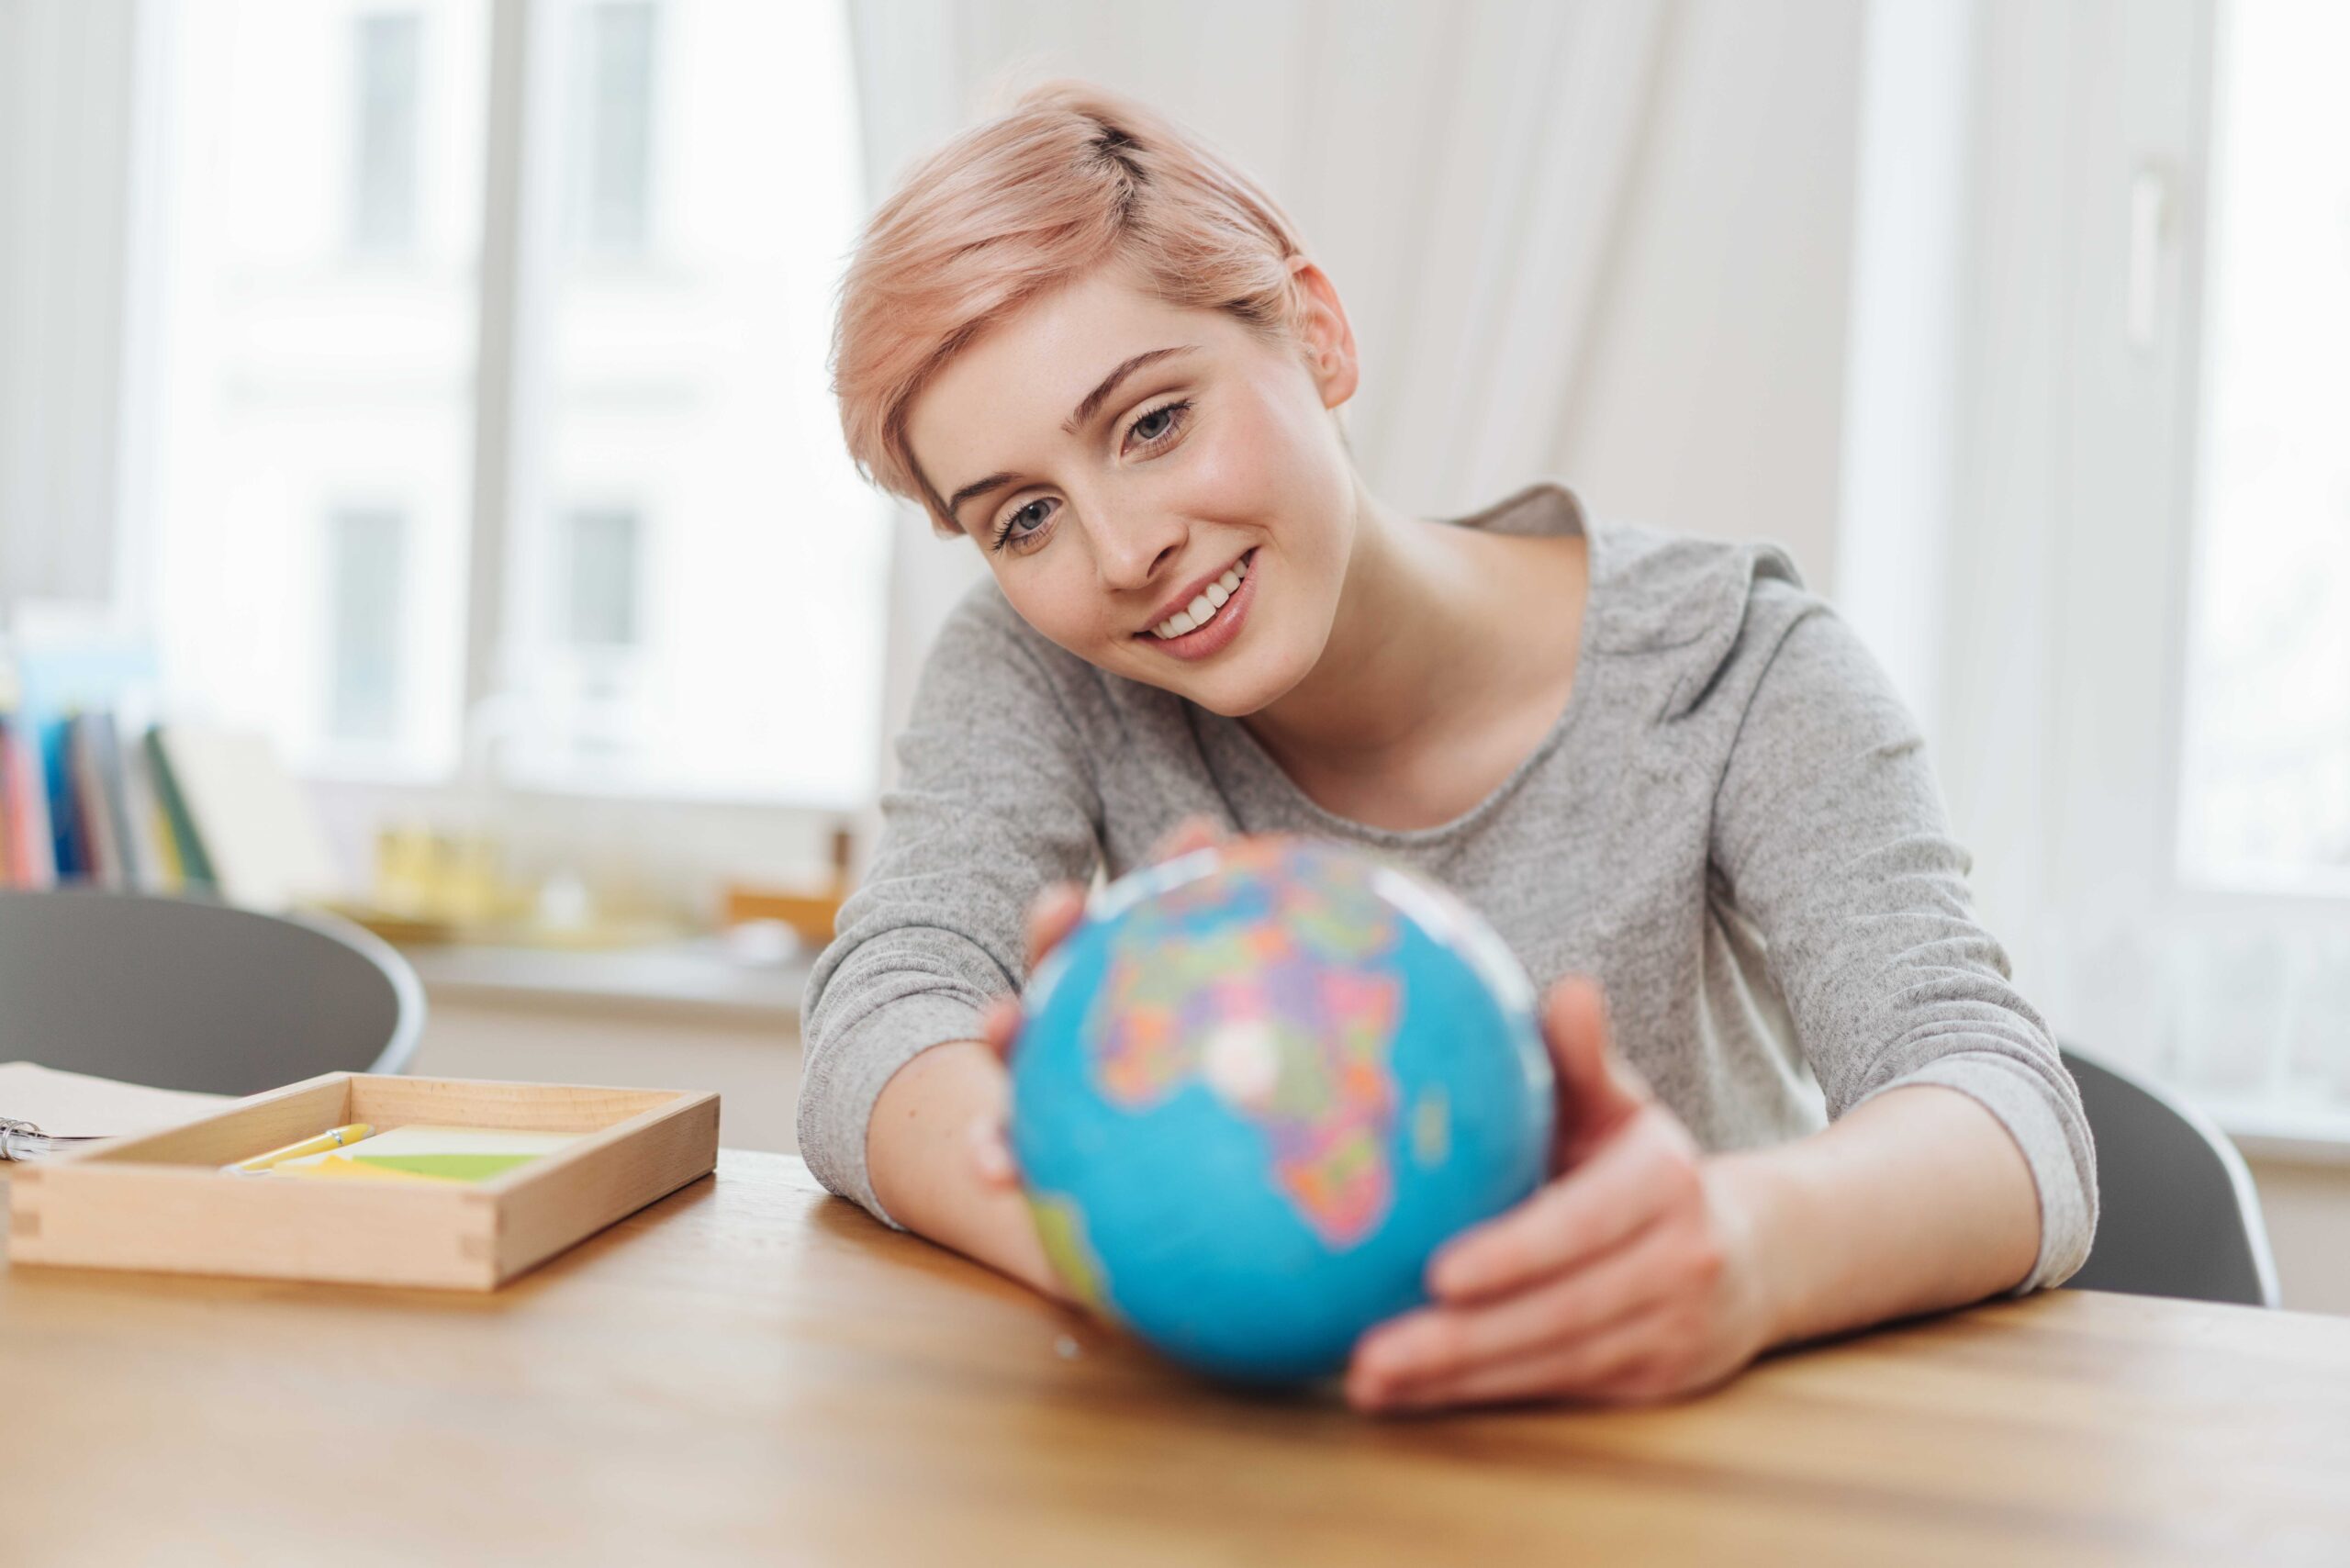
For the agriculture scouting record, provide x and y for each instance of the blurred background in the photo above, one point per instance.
(419, 492)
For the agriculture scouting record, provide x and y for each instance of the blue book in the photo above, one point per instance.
(57, 677)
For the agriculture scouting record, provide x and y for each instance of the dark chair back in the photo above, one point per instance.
(2177, 1212)
(190, 993)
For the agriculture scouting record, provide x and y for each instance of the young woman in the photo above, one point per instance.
(1674, 780)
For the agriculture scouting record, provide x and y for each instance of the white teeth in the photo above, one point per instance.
(1202, 610)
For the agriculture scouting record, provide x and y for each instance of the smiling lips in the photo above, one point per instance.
(1204, 604)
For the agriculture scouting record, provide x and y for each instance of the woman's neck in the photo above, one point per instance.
(1438, 628)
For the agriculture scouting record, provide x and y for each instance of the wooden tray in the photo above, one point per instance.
(160, 1201)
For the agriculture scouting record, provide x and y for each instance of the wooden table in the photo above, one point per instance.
(752, 1371)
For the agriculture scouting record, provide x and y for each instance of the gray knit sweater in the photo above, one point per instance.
(1733, 825)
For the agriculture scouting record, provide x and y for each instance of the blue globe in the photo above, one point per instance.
(1258, 1087)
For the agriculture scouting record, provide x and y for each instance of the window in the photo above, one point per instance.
(2152, 746)
(294, 373)
(366, 551)
(2265, 769)
(600, 578)
(612, 126)
(550, 370)
(383, 179)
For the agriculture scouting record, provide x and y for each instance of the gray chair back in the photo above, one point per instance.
(2177, 1212)
(190, 993)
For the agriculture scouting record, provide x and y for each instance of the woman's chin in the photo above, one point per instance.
(1236, 691)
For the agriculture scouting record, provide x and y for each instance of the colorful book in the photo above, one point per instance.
(150, 834)
(62, 669)
(37, 858)
(11, 849)
(95, 808)
(68, 842)
(187, 845)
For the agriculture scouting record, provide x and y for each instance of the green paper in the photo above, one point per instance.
(455, 1167)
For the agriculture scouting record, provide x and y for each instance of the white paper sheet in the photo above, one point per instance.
(75, 1105)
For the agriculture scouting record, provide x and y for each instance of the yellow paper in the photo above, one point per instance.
(351, 1170)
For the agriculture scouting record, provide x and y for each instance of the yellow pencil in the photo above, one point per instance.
(334, 1138)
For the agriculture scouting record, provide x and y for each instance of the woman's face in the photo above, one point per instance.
(1101, 498)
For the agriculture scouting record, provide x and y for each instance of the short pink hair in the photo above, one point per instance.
(1071, 177)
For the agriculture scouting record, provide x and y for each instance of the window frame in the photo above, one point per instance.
(2068, 657)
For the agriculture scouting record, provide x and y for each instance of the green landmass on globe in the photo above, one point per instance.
(1061, 1226)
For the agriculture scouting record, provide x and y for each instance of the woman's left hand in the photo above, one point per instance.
(1634, 1275)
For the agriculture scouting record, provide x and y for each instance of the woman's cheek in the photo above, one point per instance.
(1226, 472)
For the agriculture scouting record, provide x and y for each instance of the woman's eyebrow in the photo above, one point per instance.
(1101, 395)
(1085, 411)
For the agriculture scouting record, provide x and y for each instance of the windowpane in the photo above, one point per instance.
(319, 211)
(693, 599)
(384, 139)
(603, 579)
(2266, 783)
(367, 552)
(697, 597)
(611, 125)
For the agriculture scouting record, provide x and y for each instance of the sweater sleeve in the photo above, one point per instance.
(1830, 833)
(994, 799)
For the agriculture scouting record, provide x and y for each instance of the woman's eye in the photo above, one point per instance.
(1158, 424)
(1013, 531)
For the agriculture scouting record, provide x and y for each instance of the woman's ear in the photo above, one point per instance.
(1328, 340)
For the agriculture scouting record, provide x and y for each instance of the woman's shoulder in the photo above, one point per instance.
(1703, 606)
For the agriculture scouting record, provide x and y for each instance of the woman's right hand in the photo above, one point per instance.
(1052, 915)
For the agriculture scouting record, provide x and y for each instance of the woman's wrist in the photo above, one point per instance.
(918, 1156)
(1759, 1201)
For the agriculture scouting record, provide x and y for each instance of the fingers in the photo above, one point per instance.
(1053, 915)
(1595, 1362)
(1194, 832)
(1443, 1342)
(1598, 1090)
(1056, 911)
(999, 1026)
(1627, 1184)
(1583, 1046)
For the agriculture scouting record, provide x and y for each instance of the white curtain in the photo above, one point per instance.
(1568, 232)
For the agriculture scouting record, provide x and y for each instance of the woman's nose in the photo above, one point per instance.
(1131, 555)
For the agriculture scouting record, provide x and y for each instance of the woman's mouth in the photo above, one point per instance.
(1211, 619)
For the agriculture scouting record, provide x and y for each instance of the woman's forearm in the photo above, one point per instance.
(1915, 1201)
(918, 1156)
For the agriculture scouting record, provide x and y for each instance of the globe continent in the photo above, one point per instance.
(1258, 1086)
